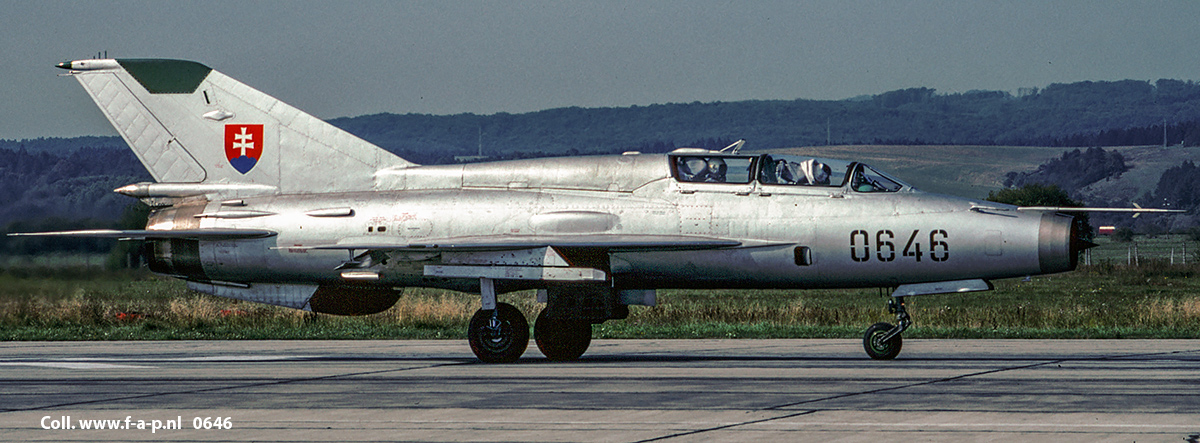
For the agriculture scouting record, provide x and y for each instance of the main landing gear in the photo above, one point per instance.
(882, 340)
(561, 339)
(499, 333)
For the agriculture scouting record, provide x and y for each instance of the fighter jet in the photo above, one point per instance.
(255, 200)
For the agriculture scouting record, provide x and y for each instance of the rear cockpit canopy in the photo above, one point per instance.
(701, 166)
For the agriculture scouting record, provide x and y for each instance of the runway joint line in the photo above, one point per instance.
(223, 388)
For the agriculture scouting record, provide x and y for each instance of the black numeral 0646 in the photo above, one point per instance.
(885, 245)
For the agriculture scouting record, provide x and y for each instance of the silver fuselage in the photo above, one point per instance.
(788, 236)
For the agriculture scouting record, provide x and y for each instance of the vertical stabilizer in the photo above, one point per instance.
(188, 123)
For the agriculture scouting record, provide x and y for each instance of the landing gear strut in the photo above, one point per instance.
(498, 332)
(882, 340)
(498, 335)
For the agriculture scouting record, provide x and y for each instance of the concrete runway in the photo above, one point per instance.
(623, 390)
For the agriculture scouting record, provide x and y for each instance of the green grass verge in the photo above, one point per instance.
(1156, 300)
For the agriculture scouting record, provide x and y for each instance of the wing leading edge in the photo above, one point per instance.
(191, 234)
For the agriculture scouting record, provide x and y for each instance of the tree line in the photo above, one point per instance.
(63, 182)
(1178, 187)
(1084, 114)
(53, 191)
(1073, 170)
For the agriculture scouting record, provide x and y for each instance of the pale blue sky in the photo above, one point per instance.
(337, 59)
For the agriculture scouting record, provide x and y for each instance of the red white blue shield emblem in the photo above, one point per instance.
(243, 146)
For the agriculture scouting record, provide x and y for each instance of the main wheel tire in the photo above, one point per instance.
(499, 338)
(561, 340)
(881, 350)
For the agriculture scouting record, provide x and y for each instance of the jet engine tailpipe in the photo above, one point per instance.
(176, 257)
(1059, 243)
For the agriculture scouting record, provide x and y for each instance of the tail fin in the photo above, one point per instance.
(188, 123)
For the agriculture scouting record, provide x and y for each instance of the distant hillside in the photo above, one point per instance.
(977, 138)
(63, 145)
(968, 171)
(1084, 114)
(1125, 112)
(973, 171)
(75, 185)
(1146, 167)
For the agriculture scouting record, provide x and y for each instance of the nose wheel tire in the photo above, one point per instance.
(500, 335)
(877, 348)
(561, 340)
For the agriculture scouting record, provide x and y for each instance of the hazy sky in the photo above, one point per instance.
(337, 59)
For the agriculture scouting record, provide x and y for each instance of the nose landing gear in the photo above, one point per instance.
(882, 340)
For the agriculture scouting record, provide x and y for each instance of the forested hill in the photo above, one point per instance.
(73, 177)
(58, 145)
(1081, 114)
(73, 185)
(1084, 114)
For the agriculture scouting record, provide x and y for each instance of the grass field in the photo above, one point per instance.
(1174, 249)
(74, 301)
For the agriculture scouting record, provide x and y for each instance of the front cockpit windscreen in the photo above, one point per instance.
(867, 179)
(714, 169)
(802, 171)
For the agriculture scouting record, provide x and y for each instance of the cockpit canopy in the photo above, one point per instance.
(781, 170)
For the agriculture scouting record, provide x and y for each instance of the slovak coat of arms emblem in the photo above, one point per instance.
(243, 146)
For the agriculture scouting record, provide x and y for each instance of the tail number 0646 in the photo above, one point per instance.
(887, 248)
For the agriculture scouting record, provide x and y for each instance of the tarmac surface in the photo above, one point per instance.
(622, 391)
